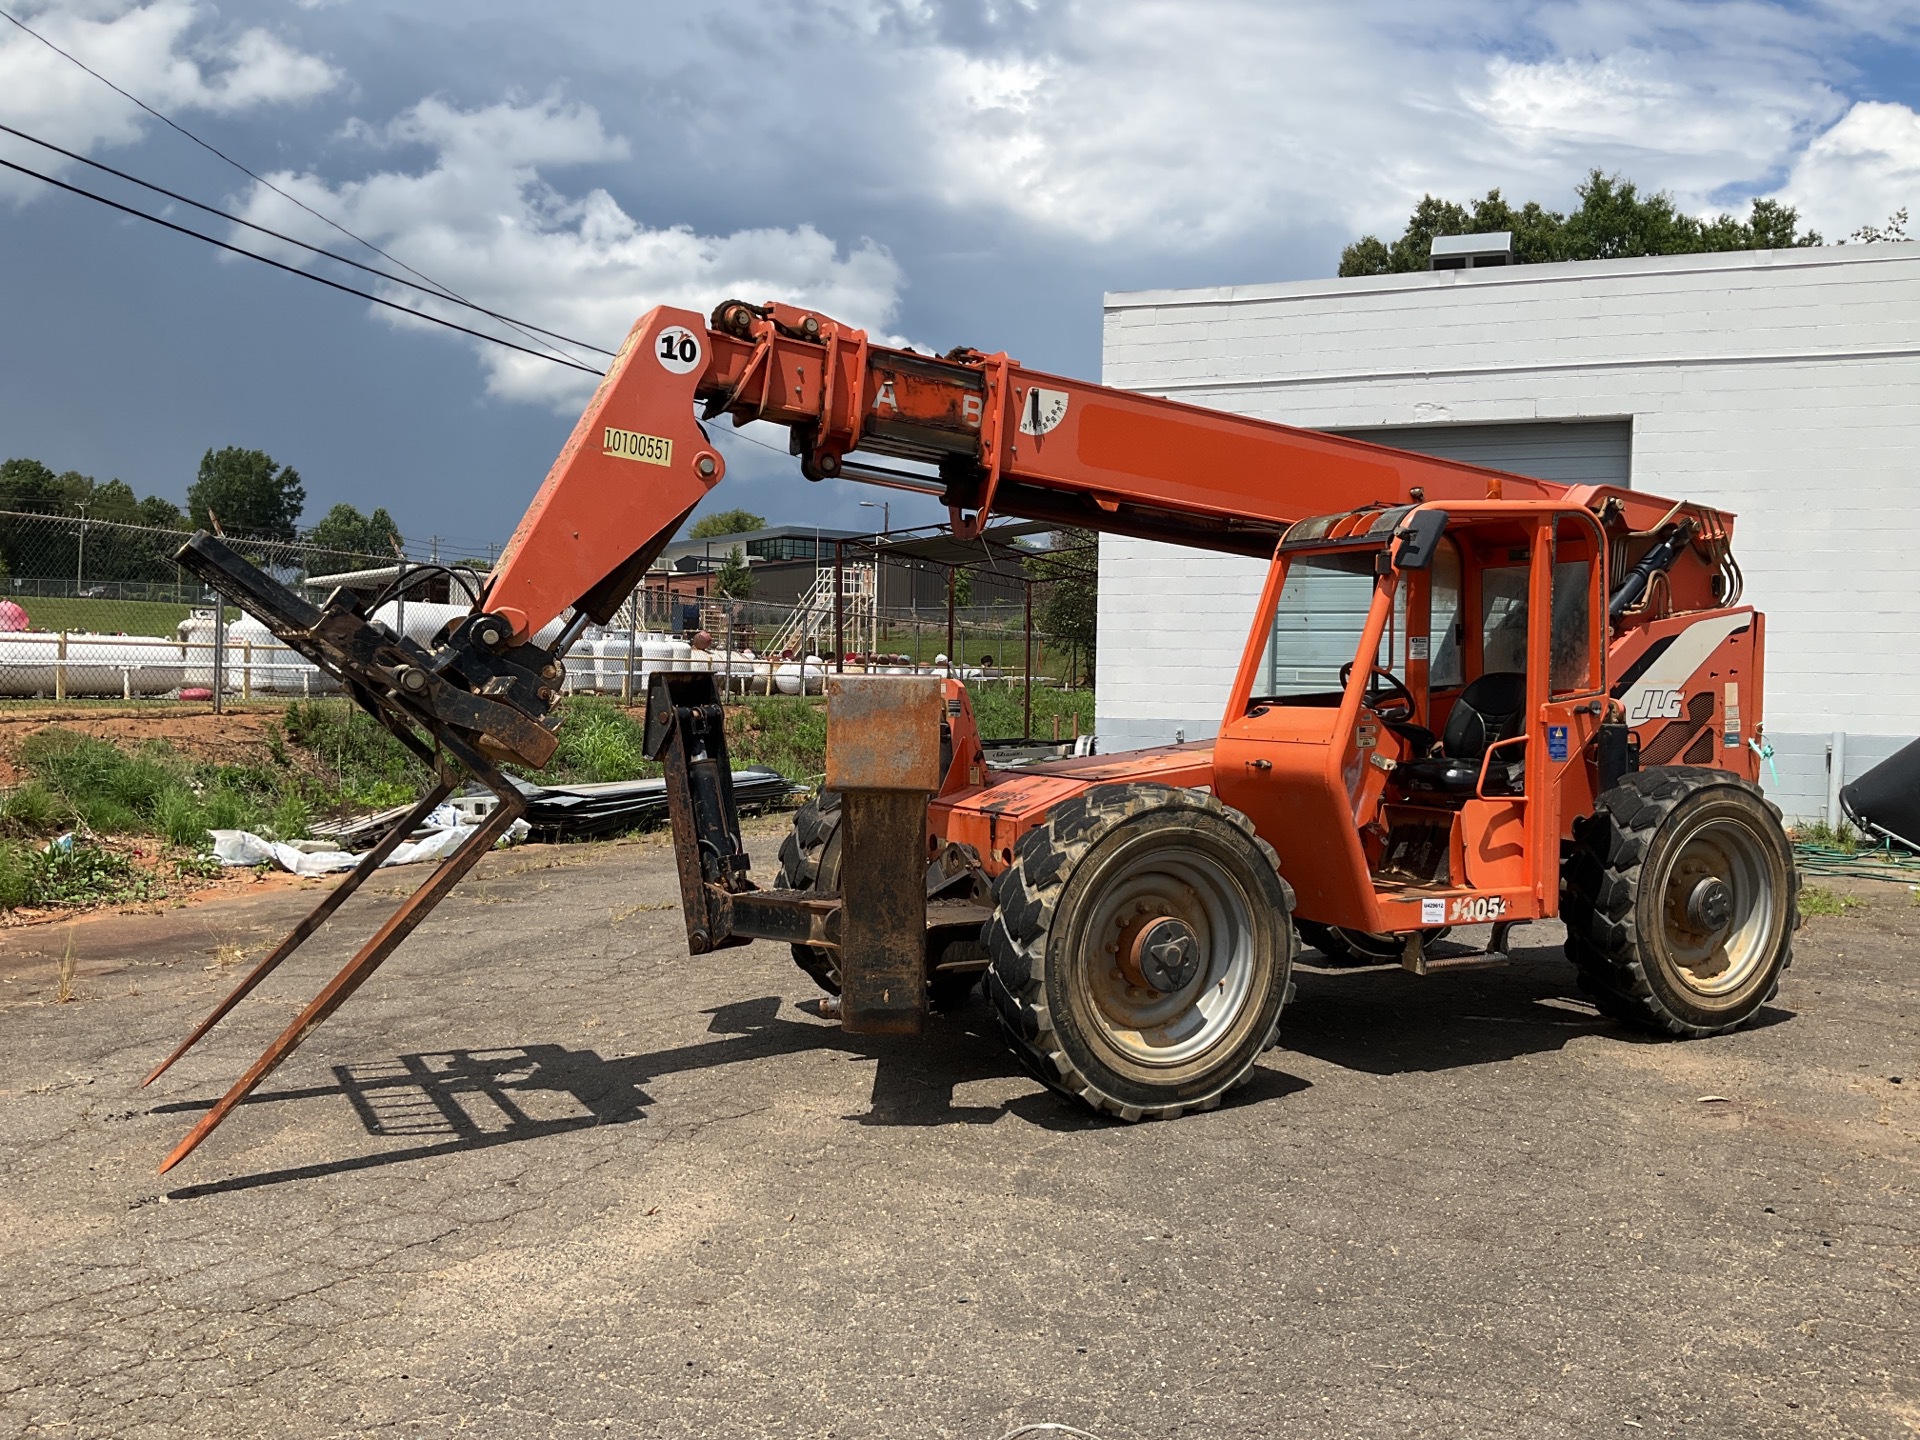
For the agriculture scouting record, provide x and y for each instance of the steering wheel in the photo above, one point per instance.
(1393, 693)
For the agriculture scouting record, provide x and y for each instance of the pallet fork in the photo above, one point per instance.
(883, 758)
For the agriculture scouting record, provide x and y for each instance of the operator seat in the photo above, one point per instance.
(1489, 709)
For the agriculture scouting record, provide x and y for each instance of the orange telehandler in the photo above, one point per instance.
(1550, 704)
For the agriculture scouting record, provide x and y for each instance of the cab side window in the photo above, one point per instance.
(1572, 618)
(1446, 669)
(1503, 619)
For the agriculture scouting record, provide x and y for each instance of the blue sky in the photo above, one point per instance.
(975, 172)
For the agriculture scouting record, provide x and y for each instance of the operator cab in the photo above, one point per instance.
(1421, 689)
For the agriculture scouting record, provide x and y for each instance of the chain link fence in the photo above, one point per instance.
(98, 612)
(94, 611)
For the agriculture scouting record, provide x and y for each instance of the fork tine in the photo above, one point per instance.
(397, 927)
(319, 916)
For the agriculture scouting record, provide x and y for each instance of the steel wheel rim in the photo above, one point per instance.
(1715, 960)
(1146, 1027)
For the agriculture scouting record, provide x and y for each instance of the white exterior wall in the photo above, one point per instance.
(1781, 385)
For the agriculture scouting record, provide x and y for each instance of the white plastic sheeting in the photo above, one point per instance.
(447, 828)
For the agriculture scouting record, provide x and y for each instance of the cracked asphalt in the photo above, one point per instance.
(548, 1176)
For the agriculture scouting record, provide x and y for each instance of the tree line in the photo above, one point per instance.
(240, 493)
(1613, 220)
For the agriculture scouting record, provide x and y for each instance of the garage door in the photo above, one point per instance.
(1579, 452)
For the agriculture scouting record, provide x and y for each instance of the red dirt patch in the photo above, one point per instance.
(234, 738)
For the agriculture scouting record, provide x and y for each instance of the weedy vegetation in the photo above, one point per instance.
(325, 758)
(1818, 900)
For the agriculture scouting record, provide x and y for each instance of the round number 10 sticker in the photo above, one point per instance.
(677, 349)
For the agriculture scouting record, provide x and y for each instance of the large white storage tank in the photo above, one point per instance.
(44, 662)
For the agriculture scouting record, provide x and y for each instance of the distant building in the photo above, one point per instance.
(786, 559)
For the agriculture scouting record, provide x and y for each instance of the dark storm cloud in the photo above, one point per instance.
(951, 173)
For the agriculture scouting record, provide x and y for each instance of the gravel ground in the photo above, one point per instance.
(548, 1176)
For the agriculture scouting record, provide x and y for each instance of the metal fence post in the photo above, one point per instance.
(952, 571)
(219, 651)
(60, 670)
(1027, 729)
(633, 642)
(839, 607)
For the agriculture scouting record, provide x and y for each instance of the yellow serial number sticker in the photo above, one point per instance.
(632, 445)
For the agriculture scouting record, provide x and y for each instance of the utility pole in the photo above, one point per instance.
(80, 564)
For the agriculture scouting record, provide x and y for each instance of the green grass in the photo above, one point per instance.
(1818, 900)
(999, 707)
(79, 782)
(104, 617)
(326, 757)
(355, 762)
(788, 732)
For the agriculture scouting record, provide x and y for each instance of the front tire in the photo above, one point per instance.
(1680, 900)
(1141, 950)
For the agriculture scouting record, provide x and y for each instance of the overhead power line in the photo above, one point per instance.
(138, 214)
(521, 325)
(447, 291)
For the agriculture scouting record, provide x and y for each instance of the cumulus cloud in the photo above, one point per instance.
(164, 51)
(1641, 107)
(1859, 172)
(481, 218)
(1180, 125)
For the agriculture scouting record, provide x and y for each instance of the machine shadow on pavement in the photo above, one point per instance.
(1381, 1020)
(446, 1102)
(1377, 1019)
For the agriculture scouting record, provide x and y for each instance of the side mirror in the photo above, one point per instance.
(1419, 539)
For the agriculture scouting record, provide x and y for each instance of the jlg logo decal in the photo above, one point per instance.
(1655, 704)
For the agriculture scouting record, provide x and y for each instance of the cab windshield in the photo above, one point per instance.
(1322, 614)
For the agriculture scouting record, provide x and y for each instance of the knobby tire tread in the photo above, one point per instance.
(1602, 884)
(1027, 896)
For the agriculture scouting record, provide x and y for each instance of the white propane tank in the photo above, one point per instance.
(196, 641)
(94, 665)
(259, 664)
(658, 653)
(426, 618)
(610, 654)
(583, 664)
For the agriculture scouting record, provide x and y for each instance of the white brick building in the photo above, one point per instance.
(1781, 385)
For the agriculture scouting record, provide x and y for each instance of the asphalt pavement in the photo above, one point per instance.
(549, 1176)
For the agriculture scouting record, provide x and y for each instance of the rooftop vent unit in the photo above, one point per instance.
(1471, 252)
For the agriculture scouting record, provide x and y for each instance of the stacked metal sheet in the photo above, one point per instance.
(587, 812)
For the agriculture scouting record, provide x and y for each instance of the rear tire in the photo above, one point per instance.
(1123, 882)
(810, 860)
(1680, 900)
